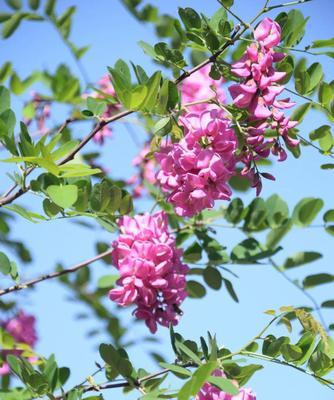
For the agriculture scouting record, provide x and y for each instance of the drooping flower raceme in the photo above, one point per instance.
(41, 113)
(146, 172)
(199, 86)
(22, 329)
(152, 275)
(210, 392)
(105, 86)
(257, 92)
(195, 172)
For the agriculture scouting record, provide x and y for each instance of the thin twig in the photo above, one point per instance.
(317, 308)
(53, 275)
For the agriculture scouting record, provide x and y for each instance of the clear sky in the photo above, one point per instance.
(112, 34)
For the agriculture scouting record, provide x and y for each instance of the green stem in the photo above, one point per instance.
(307, 294)
(259, 356)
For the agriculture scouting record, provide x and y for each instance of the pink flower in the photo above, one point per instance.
(210, 392)
(151, 273)
(105, 86)
(198, 86)
(195, 172)
(268, 33)
(22, 329)
(257, 92)
(146, 172)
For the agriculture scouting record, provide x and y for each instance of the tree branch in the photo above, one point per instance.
(317, 308)
(53, 275)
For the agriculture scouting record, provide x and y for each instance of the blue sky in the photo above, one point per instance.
(112, 34)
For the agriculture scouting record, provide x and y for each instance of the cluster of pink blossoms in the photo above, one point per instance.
(146, 172)
(152, 275)
(210, 392)
(195, 172)
(22, 329)
(258, 93)
(105, 86)
(199, 86)
(42, 112)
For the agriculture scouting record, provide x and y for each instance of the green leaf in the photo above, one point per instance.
(299, 113)
(224, 384)
(316, 74)
(275, 236)
(5, 265)
(325, 94)
(34, 4)
(5, 71)
(301, 258)
(328, 304)
(323, 43)
(148, 49)
(329, 216)
(195, 290)
(278, 211)
(234, 212)
(249, 251)
(176, 369)
(10, 26)
(291, 352)
(193, 253)
(317, 279)
(137, 97)
(212, 278)
(107, 281)
(163, 126)
(153, 86)
(63, 196)
(4, 99)
(200, 376)
(190, 18)
(230, 289)
(14, 4)
(306, 211)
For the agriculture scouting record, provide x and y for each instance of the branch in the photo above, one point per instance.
(53, 275)
(31, 169)
(317, 308)
(259, 356)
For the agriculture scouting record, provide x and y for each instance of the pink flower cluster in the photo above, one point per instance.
(199, 86)
(258, 93)
(22, 329)
(151, 273)
(105, 86)
(195, 172)
(146, 172)
(42, 112)
(210, 392)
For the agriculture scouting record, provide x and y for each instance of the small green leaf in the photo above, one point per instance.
(163, 126)
(5, 265)
(306, 211)
(317, 279)
(64, 196)
(195, 290)
(301, 258)
(224, 384)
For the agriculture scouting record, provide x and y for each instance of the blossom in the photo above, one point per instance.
(198, 86)
(268, 33)
(152, 275)
(105, 86)
(146, 171)
(257, 92)
(210, 392)
(22, 329)
(195, 172)
(41, 113)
